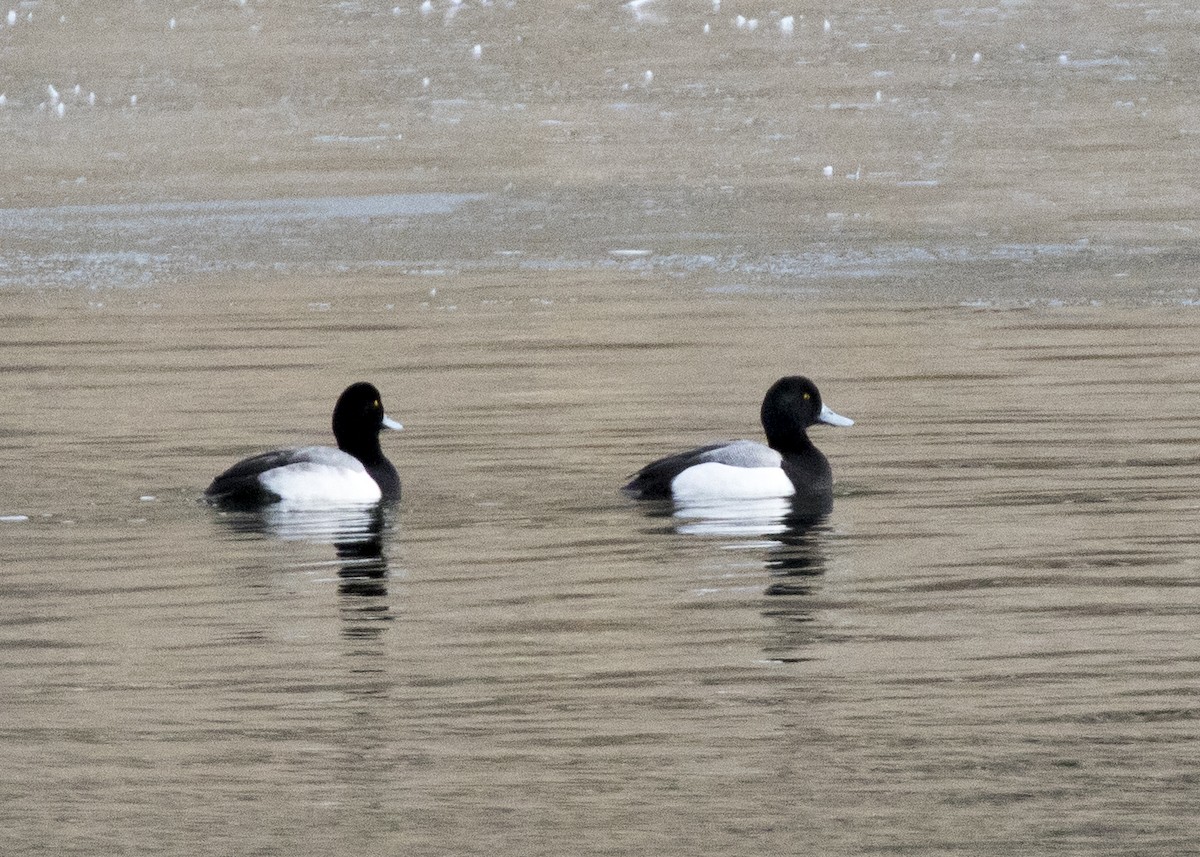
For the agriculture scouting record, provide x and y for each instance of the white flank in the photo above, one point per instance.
(713, 481)
(307, 484)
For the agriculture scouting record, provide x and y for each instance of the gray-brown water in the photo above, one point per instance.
(557, 267)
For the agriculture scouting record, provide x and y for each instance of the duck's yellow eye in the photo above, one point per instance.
(807, 396)
(375, 404)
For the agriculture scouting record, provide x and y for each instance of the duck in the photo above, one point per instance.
(356, 473)
(788, 465)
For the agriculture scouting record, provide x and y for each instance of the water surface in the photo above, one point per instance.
(556, 268)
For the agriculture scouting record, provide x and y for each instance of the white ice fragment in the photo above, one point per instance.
(477, 51)
(1063, 59)
(707, 29)
(828, 26)
(977, 58)
(640, 11)
(716, 5)
(147, 498)
(740, 22)
(91, 99)
(427, 8)
(3, 98)
(878, 95)
(647, 77)
(52, 92)
(787, 25)
(752, 24)
(12, 17)
(78, 90)
(828, 171)
(425, 83)
(396, 11)
(133, 101)
(13, 519)
(171, 24)
(60, 109)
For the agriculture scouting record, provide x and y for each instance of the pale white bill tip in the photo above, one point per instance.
(828, 416)
(390, 423)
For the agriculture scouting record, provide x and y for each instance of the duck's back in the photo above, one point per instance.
(659, 478)
(310, 475)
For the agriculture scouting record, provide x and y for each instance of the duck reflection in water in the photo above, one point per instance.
(356, 533)
(796, 562)
(792, 537)
(760, 517)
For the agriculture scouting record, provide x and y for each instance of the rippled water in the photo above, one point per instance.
(990, 642)
(557, 268)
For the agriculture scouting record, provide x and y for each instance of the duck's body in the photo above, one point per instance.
(356, 473)
(788, 466)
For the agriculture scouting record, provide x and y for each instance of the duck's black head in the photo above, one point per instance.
(358, 417)
(790, 407)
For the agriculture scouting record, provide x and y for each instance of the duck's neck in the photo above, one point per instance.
(806, 466)
(368, 451)
(365, 449)
(789, 443)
